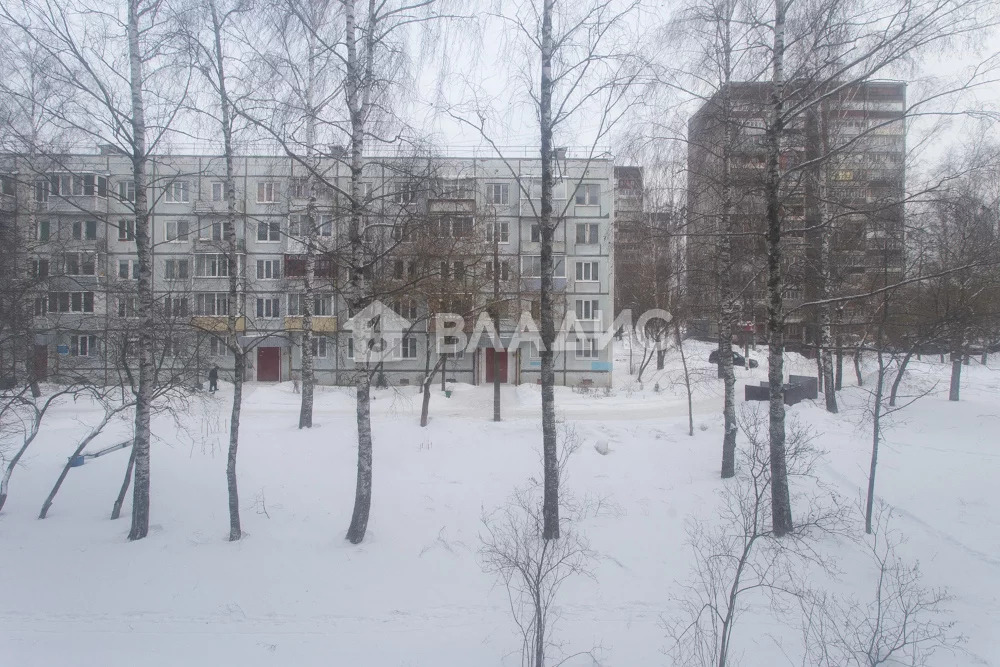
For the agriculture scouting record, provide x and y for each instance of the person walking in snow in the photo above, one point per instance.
(213, 380)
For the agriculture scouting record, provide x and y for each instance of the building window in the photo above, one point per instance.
(128, 269)
(406, 193)
(71, 302)
(498, 232)
(79, 264)
(452, 227)
(172, 347)
(42, 230)
(586, 348)
(211, 266)
(268, 269)
(588, 309)
(127, 306)
(175, 306)
(41, 306)
(298, 188)
(319, 347)
(126, 191)
(218, 191)
(498, 193)
(531, 266)
(85, 230)
(126, 230)
(83, 346)
(268, 307)
(588, 194)
(7, 186)
(213, 231)
(218, 348)
(176, 230)
(321, 305)
(176, 269)
(501, 265)
(586, 232)
(41, 190)
(177, 192)
(211, 303)
(406, 307)
(269, 232)
(267, 192)
(39, 268)
(536, 233)
(587, 272)
(409, 347)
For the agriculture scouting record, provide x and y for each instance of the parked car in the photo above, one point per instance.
(738, 359)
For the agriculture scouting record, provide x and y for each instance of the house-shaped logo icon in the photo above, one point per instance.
(377, 333)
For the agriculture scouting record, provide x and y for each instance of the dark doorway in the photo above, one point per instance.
(268, 364)
(496, 364)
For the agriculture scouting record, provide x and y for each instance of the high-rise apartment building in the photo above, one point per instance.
(440, 235)
(855, 137)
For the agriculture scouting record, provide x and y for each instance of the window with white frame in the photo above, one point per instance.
(70, 302)
(176, 230)
(586, 233)
(588, 194)
(267, 192)
(268, 269)
(128, 269)
(406, 307)
(587, 272)
(43, 229)
(79, 264)
(213, 231)
(268, 307)
(269, 232)
(175, 306)
(41, 306)
(176, 269)
(406, 193)
(126, 191)
(409, 347)
(218, 191)
(211, 265)
(531, 266)
(498, 193)
(404, 268)
(454, 227)
(211, 303)
(39, 267)
(172, 347)
(85, 230)
(126, 230)
(319, 345)
(83, 345)
(298, 188)
(536, 233)
(586, 348)
(177, 192)
(218, 348)
(588, 309)
(501, 265)
(452, 341)
(498, 231)
(322, 305)
(127, 306)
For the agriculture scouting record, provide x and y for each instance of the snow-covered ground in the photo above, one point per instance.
(293, 592)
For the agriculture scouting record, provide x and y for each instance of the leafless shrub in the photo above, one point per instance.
(903, 622)
(738, 560)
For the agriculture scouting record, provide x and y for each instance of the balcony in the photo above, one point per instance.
(74, 204)
(216, 207)
(217, 323)
(320, 323)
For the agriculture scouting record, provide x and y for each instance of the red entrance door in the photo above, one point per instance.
(41, 363)
(268, 364)
(496, 364)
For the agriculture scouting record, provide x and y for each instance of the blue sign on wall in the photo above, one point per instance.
(62, 349)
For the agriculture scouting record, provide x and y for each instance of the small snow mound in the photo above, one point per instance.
(602, 447)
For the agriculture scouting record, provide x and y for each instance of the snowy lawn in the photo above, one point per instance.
(293, 592)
